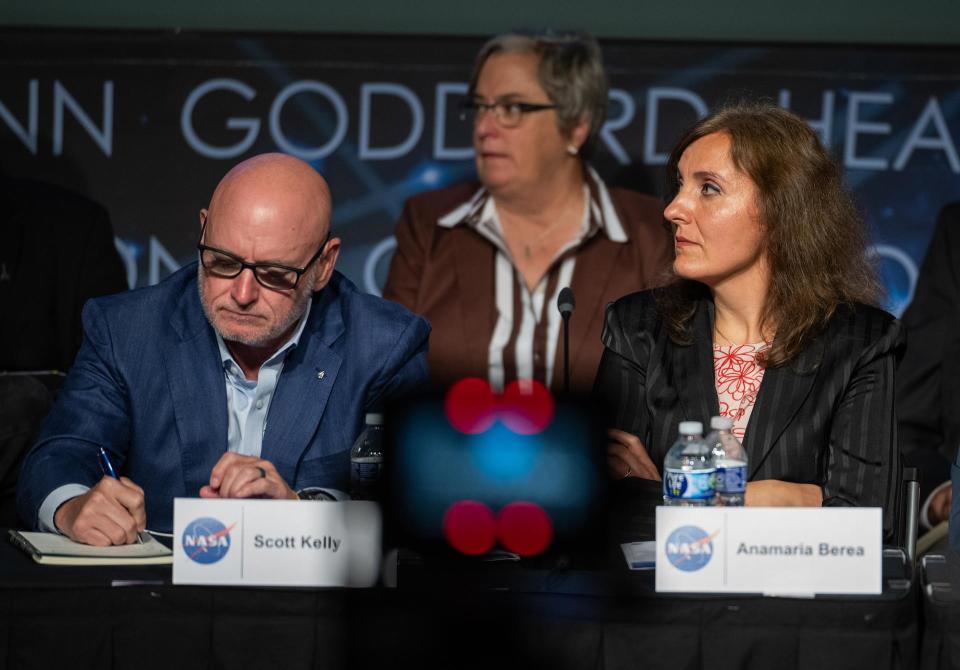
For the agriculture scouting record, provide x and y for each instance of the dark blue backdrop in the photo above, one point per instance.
(146, 123)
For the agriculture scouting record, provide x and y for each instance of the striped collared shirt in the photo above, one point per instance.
(524, 342)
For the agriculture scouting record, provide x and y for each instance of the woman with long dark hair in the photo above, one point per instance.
(770, 320)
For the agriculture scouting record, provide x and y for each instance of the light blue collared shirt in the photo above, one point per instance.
(248, 403)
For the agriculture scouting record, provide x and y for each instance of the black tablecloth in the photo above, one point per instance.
(460, 614)
(941, 610)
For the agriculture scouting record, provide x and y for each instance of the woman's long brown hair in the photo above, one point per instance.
(816, 241)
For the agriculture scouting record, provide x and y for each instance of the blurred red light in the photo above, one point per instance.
(470, 527)
(470, 405)
(526, 407)
(524, 528)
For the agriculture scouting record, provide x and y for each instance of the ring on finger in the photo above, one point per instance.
(263, 473)
(628, 472)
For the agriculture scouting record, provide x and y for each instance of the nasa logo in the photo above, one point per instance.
(206, 540)
(689, 548)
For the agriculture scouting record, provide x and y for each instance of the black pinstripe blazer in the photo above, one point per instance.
(825, 418)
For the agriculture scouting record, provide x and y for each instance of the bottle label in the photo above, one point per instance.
(366, 472)
(687, 485)
(731, 478)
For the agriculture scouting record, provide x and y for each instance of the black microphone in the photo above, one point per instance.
(566, 305)
(565, 302)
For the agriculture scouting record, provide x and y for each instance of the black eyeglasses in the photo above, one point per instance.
(270, 275)
(507, 113)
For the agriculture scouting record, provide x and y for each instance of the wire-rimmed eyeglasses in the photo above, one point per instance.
(508, 113)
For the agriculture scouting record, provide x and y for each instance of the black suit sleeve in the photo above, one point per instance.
(928, 380)
(621, 381)
(863, 464)
(56, 251)
(99, 270)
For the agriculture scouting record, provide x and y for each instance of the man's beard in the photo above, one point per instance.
(302, 295)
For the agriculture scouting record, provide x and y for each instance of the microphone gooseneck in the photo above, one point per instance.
(566, 305)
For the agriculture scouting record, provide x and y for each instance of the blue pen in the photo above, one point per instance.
(106, 465)
(108, 471)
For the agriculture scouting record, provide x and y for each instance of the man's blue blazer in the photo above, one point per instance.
(148, 386)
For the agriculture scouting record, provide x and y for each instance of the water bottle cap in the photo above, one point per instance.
(691, 428)
(721, 423)
(373, 419)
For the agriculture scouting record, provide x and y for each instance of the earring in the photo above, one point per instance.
(573, 149)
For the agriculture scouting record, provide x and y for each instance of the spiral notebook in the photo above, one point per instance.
(53, 549)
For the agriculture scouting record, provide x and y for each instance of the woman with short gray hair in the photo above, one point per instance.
(570, 71)
(485, 261)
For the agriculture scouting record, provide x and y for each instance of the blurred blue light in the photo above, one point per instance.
(430, 176)
(502, 455)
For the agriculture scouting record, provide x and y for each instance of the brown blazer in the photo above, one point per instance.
(447, 276)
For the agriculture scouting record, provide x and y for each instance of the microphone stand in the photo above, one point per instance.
(566, 353)
(566, 305)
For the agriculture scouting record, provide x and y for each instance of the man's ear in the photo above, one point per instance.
(203, 217)
(328, 262)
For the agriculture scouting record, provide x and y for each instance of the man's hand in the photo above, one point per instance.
(627, 457)
(112, 512)
(237, 476)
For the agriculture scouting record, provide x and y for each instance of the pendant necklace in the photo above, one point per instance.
(528, 246)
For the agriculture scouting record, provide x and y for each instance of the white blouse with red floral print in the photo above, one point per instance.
(738, 376)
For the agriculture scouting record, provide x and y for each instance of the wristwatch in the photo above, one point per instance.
(314, 493)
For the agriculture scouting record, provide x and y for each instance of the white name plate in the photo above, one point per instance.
(276, 542)
(770, 550)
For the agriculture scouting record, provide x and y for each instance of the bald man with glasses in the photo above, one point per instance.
(247, 374)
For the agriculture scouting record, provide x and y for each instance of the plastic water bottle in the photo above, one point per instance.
(688, 470)
(730, 460)
(366, 460)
